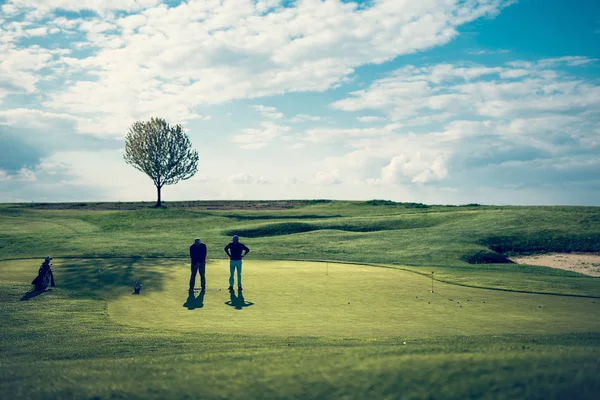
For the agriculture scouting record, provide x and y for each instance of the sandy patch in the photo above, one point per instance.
(588, 264)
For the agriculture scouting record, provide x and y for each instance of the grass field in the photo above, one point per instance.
(364, 324)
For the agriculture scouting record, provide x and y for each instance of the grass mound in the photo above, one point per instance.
(286, 228)
(340, 224)
(263, 216)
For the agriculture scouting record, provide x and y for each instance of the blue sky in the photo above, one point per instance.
(436, 101)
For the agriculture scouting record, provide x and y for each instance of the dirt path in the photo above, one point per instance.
(588, 263)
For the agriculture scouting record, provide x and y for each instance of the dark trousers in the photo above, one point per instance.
(200, 267)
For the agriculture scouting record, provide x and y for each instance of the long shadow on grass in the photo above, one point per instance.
(33, 293)
(191, 303)
(238, 302)
(110, 278)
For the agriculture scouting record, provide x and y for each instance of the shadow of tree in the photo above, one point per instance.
(33, 293)
(238, 301)
(112, 277)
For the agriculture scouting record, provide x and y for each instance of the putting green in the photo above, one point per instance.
(305, 298)
(283, 298)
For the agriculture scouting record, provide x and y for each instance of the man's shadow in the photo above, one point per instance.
(34, 293)
(194, 302)
(238, 301)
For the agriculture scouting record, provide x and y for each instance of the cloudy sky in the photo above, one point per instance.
(436, 101)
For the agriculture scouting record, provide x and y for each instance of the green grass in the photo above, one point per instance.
(438, 236)
(91, 338)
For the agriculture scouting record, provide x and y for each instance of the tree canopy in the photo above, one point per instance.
(161, 151)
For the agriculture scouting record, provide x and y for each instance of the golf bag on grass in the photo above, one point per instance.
(45, 276)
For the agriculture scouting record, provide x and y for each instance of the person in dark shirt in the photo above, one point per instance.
(234, 250)
(198, 253)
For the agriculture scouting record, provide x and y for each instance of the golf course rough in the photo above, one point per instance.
(366, 326)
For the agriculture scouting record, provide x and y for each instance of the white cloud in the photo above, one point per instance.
(572, 61)
(20, 68)
(256, 138)
(398, 159)
(96, 26)
(417, 168)
(65, 24)
(27, 175)
(487, 52)
(370, 118)
(514, 73)
(327, 178)
(4, 176)
(306, 118)
(480, 116)
(455, 91)
(46, 172)
(324, 135)
(13, 31)
(172, 59)
(268, 112)
(10, 10)
(35, 119)
(41, 8)
(244, 178)
(289, 181)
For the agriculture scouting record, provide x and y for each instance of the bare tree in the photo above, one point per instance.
(161, 151)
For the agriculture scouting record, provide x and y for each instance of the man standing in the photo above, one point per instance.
(234, 251)
(198, 255)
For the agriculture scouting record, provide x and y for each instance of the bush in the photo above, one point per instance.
(394, 203)
(380, 203)
(318, 201)
(415, 205)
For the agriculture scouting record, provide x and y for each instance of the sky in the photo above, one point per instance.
(433, 101)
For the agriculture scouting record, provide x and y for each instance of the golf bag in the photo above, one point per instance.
(44, 278)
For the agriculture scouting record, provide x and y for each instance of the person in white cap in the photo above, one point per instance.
(45, 276)
(236, 251)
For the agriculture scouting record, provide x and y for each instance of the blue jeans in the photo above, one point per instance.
(233, 264)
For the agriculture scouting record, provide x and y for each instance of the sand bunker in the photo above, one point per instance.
(588, 263)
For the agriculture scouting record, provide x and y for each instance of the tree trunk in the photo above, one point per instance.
(158, 202)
